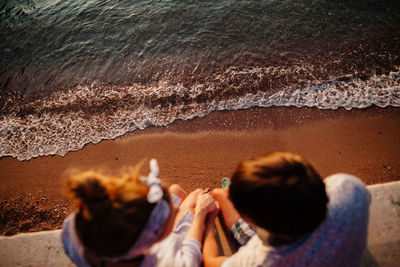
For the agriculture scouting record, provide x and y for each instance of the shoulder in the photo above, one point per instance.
(344, 230)
(348, 210)
(346, 189)
(341, 179)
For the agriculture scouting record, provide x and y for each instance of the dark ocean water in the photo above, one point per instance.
(74, 72)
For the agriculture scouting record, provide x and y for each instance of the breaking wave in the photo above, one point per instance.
(66, 121)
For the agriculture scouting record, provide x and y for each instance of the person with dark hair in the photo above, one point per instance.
(283, 214)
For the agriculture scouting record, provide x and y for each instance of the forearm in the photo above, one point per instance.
(211, 256)
(197, 229)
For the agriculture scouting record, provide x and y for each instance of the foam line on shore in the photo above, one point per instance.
(45, 133)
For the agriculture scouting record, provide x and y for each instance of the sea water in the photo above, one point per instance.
(74, 72)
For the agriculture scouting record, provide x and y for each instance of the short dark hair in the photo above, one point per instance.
(281, 193)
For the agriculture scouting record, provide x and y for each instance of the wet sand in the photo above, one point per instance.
(198, 153)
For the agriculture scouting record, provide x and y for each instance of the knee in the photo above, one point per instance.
(177, 190)
(174, 188)
(220, 194)
(193, 195)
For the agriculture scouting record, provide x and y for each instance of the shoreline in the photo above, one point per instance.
(199, 152)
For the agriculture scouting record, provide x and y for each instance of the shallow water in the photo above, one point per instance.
(74, 72)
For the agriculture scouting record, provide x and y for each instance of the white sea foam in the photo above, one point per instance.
(52, 133)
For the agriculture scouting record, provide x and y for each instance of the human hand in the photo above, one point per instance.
(205, 203)
(190, 201)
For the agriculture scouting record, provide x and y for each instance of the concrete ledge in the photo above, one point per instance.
(33, 249)
(45, 248)
(384, 224)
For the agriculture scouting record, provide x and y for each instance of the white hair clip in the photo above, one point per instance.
(154, 183)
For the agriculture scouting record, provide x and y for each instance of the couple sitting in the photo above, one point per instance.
(278, 208)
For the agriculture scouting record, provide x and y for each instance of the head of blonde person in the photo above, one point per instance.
(111, 211)
(281, 193)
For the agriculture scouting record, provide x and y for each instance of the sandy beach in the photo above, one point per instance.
(198, 153)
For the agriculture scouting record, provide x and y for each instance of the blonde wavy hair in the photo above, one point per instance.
(111, 210)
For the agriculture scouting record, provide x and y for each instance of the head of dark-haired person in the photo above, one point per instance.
(281, 193)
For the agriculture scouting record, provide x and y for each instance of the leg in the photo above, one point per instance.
(229, 213)
(176, 189)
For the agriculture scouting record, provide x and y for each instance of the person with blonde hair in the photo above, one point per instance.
(283, 214)
(134, 221)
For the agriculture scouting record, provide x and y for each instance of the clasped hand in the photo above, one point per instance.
(205, 203)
